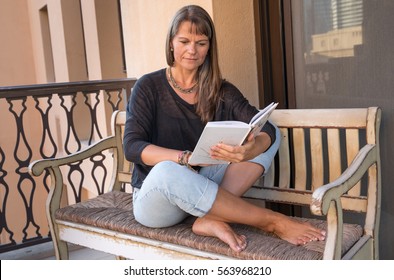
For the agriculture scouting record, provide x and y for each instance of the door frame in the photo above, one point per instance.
(276, 79)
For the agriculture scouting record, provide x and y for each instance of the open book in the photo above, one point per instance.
(227, 132)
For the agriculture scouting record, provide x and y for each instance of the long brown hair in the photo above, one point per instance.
(209, 76)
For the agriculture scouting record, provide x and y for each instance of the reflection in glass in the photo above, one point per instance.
(332, 35)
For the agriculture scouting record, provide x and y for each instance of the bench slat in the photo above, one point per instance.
(299, 159)
(304, 198)
(352, 148)
(129, 246)
(336, 118)
(284, 155)
(124, 177)
(334, 153)
(316, 158)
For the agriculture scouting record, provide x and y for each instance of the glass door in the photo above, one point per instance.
(339, 54)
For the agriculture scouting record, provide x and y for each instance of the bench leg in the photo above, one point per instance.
(61, 249)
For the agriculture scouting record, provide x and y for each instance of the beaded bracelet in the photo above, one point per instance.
(183, 157)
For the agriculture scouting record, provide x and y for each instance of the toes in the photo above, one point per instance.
(242, 242)
(319, 236)
(238, 242)
(316, 234)
(307, 237)
(323, 234)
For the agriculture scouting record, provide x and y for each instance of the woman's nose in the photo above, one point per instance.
(192, 48)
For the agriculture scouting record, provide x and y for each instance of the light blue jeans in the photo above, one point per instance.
(171, 192)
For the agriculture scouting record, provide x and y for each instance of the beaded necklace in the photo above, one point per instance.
(175, 85)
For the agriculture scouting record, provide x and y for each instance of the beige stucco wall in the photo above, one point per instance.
(16, 55)
(57, 40)
(234, 21)
(102, 39)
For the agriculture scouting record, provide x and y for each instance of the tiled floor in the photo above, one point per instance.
(45, 252)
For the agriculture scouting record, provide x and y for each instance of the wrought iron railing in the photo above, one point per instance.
(45, 121)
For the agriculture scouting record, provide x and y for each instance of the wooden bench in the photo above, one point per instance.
(328, 161)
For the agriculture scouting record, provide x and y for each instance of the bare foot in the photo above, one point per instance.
(298, 233)
(221, 230)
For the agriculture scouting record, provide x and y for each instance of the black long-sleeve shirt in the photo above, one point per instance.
(157, 115)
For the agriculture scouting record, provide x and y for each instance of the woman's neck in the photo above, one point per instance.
(180, 87)
(184, 78)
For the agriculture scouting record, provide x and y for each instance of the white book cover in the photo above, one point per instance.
(227, 132)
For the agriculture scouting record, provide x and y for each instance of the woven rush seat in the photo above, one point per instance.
(114, 211)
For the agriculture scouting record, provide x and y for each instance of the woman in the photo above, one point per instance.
(165, 117)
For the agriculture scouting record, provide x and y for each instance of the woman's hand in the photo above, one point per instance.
(249, 150)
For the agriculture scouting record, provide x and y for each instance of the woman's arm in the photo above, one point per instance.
(140, 120)
(153, 154)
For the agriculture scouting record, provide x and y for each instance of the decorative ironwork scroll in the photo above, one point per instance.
(46, 121)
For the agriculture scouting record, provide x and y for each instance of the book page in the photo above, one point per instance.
(214, 134)
(259, 120)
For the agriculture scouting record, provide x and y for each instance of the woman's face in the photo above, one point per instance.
(190, 48)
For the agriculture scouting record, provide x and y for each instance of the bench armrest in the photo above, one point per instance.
(56, 189)
(324, 195)
(326, 200)
(38, 166)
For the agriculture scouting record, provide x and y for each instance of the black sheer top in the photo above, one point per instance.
(157, 115)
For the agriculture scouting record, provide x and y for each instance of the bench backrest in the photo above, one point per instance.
(317, 146)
